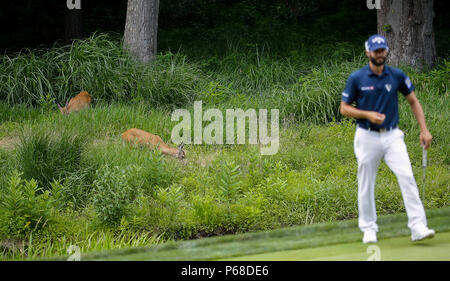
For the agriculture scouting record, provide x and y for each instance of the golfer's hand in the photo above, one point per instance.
(425, 139)
(375, 117)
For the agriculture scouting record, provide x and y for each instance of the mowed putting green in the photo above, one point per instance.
(393, 249)
(340, 240)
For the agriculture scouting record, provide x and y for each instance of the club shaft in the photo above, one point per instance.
(424, 165)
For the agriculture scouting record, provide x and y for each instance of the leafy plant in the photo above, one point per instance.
(207, 214)
(171, 200)
(229, 180)
(156, 172)
(115, 188)
(47, 103)
(215, 93)
(171, 196)
(24, 207)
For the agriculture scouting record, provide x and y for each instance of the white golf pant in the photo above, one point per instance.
(370, 147)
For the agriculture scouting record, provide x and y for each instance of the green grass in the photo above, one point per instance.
(216, 190)
(314, 239)
(38, 247)
(45, 155)
(392, 249)
(308, 181)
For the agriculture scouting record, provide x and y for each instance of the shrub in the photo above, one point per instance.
(169, 211)
(24, 207)
(77, 187)
(46, 156)
(244, 216)
(229, 181)
(440, 77)
(115, 188)
(171, 197)
(155, 169)
(215, 93)
(5, 166)
(209, 214)
(156, 172)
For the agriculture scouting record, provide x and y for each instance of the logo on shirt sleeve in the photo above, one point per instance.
(408, 82)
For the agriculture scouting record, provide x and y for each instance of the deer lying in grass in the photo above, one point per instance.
(77, 103)
(145, 138)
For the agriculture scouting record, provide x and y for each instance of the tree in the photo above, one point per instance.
(73, 25)
(408, 27)
(141, 29)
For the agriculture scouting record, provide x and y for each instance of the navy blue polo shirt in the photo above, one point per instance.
(377, 93)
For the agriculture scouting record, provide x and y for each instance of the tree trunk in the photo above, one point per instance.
(73, 26)
(141, 29)
(408, 28)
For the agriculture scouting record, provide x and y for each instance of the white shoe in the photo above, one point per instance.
(421, 232)
(370, 236)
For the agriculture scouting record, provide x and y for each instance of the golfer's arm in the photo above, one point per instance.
(417, 111)
(351, 111)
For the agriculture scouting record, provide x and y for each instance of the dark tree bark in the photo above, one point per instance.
(73, 27)
(408, 28)
(141, 29)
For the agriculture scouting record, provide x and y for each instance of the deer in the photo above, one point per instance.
(77, 103)
(148, 139)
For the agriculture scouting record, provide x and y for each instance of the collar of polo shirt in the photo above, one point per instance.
(370, 72)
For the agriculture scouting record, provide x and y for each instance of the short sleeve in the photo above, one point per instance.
(350, 92)
(405, 85)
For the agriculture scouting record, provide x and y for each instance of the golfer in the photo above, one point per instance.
(374, 90)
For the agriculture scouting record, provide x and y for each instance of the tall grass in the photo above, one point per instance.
(305, 84)
(100, 66)
(82, 243)
(47, 156)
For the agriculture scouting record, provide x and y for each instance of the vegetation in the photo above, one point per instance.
(69, 180)
(299, 243)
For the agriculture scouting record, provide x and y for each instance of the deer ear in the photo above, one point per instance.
(181, 154)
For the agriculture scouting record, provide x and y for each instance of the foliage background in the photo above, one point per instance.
(70, 180)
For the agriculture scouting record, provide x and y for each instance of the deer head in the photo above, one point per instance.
(181, 154)
(63, 109)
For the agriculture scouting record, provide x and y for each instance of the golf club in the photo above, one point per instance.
(424, 165)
